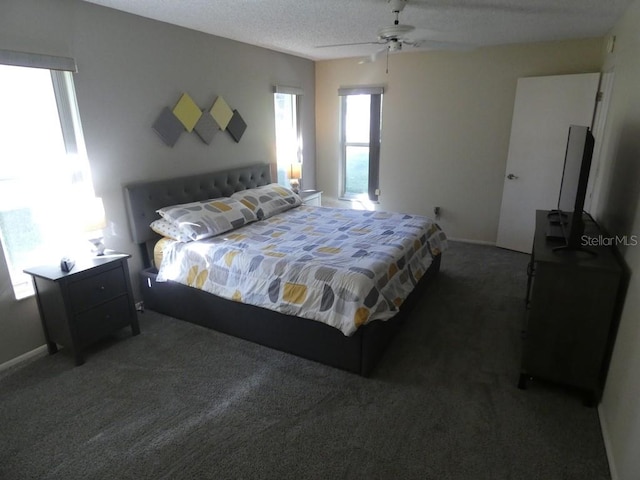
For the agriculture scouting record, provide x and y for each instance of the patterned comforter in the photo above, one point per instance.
(338, 266)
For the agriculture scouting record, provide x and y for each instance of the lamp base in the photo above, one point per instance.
(295, 186)
(98, 246)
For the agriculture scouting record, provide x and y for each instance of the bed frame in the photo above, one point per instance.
(306, 338)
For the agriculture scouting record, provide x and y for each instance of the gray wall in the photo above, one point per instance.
(129, 69)
(618, 209)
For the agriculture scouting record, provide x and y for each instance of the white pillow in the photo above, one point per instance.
(199, 220)
(268, 200)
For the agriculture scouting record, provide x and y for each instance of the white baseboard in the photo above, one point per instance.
(476, 242)
(42, 349)
(607, 444)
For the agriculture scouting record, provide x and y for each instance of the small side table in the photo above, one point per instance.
(79, 307)
(311, 197)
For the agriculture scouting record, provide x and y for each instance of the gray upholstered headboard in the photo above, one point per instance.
(144, 198)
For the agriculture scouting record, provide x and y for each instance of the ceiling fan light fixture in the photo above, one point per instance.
(392, 32)
(395, 45)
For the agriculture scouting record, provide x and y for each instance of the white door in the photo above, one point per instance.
(544, 109)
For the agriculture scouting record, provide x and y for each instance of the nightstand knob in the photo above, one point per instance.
(102, 287)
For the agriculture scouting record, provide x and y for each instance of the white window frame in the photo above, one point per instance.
(375, 134)
(285, 161)
(61, 70)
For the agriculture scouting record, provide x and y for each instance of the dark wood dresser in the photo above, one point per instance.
(571, 301)
(86, 304)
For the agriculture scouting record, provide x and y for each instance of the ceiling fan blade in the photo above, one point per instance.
(440, 45)
(540, 7)
(374, 57)
(347, 44)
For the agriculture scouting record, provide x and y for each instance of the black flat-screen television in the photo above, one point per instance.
(573, 188)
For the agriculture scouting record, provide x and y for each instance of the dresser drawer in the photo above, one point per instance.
(102, 320)
(96, 289)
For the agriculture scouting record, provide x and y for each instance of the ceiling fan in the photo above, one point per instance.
(394, 37)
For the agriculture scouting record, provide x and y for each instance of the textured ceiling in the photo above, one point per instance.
(300, 26)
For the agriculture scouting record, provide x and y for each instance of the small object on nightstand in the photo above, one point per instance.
(83, 305)
(66, 264)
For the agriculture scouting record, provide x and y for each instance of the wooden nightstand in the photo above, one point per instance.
(311, 197)
(86, 304)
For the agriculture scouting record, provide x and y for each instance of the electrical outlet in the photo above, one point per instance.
(140, 306)
(436, 212)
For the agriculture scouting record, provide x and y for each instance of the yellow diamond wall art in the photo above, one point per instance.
(221, 113)
(187, 112)
(186, 115)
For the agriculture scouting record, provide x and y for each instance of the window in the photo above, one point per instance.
(44, 174)
(360, 127)
(288, 133)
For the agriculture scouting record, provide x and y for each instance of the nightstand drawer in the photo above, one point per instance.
(103, 320)
(96, 289)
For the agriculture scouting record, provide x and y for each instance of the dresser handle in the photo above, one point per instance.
(531, 270)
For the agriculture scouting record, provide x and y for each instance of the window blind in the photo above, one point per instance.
(37, 60)
(287, 90)
(360, 91)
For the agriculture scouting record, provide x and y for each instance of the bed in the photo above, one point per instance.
(290, 326)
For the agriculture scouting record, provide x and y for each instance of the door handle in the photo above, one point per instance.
(511, 176)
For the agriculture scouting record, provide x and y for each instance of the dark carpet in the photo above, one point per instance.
(180, 401)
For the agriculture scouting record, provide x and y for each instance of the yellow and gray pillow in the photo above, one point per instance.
(268, 200)
(208, 218)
